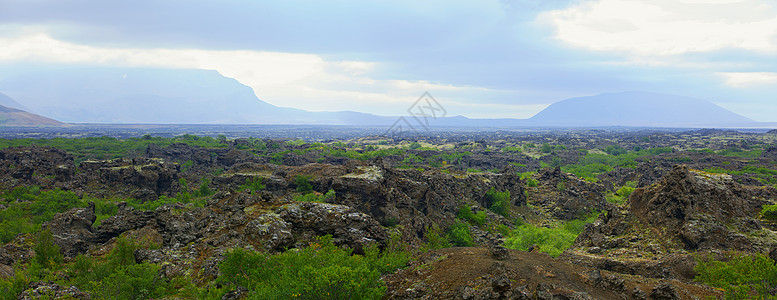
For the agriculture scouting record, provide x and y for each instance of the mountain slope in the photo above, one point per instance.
(637, 109)
(16, 117)
(9, 102)
(156, 96)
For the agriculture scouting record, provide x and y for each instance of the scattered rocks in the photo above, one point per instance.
(49, 290)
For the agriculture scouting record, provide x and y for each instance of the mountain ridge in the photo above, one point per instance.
(193, 96)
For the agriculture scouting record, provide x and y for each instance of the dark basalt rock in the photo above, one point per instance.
(72, 230)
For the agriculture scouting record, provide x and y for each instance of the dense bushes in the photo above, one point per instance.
(769, 212)
(28, 207)
(117, 276)
(498, 202)
(550, 240)
(465, 213)
(460, 235)
(321, 270)
(742, 276)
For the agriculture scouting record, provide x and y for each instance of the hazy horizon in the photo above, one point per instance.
(486, 59)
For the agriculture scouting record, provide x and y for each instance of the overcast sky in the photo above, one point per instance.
(482, 59)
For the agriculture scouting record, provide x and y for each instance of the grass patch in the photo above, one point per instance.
(742, 276)
(550, 240)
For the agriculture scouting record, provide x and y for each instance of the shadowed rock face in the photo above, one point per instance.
(686, 210)
(72, 229)
(566, 196)
(695, 207)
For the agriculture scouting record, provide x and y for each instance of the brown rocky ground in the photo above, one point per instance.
(475, 273)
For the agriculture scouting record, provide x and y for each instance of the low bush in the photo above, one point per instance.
(624, 191)
(435, 238)
(303, 184)
(252, 185)
(498, 202)
(550, 240)
(319, 271)
(460, 235)
(742, 276)
(313, 197)
(465, 213)
(769, 212)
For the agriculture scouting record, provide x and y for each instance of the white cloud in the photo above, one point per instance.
(666, 27)
(748, 79)
(304, 81)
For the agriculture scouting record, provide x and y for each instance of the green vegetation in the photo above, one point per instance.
(110, 148)
(765, 175)
(736, 152)
(319, 271)
(465, 213)
(435, 238)
(531, 182)
(498, 202)
(769, 212)
(312, 197)
(28, 207)
(46, 252)
(742, 276)
(252, 185)
(549, 240)
(303, 184)
(116, 276)
(460, 235)
(512, 149)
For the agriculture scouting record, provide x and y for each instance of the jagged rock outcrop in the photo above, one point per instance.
(207, 157)
(696, 207)
(22, 162)
(685, 211)
(72, 230)
(565, 196)
(348, 226)
(49, 290)
(147, 178)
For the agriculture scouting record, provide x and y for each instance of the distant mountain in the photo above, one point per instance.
(191, 96)
(16, 117)
(10, 102)
(637, 109)
(155, 96)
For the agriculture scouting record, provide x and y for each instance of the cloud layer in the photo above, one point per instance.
(489, 58)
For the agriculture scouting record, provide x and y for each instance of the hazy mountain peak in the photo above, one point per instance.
(636, 109)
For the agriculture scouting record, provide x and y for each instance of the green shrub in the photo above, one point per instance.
(46, 251)
(312, 197)
(303, 183)
(615, 198)
(531, 182)
(615, 150)
(561, 186)
(436, 238)
(460, 235)
(465, 213)
(769, 212)
(10, 288)
(741, 276)
(498, 202)
(624, 191)
(204, 189)
(546, 148)
(550, 240)
(138, 281)
(252, 185)
(321, 270)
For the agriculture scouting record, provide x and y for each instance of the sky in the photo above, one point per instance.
(480, 59)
